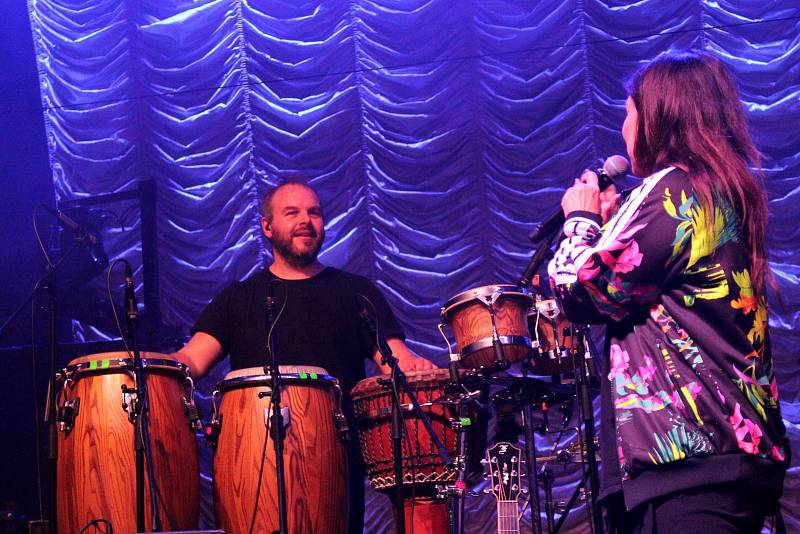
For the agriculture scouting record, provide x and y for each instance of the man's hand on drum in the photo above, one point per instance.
(585, 195)
(416, 363)
(408, 360)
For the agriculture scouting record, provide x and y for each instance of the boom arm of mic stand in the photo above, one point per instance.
(537, 259)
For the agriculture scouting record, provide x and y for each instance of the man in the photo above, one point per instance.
(318, 322)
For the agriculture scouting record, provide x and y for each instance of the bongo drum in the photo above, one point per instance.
(314, 455)
(96, 477)
(422, 465)
(553, 341)
(476, 315)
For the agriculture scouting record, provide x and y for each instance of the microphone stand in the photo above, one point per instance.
(140, 415)
(47, 283)
(277, 431)
(398, 378)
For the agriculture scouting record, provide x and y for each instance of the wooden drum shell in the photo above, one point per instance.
(471, 324)
(96, 458)
(553, 332)
(421, 462)
(314, 456)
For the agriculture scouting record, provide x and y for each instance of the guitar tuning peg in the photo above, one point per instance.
(484, 461)
(524, 490)
(487, 490)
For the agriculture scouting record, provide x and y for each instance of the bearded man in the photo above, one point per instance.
(319, 324)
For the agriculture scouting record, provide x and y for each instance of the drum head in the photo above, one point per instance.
(372, 385)
(122, 360)
(483, 292)
(288, 369)
(290, 374)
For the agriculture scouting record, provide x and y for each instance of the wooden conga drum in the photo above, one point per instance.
(554, 339)
(469, 316)
(96, 457)
(314, 455)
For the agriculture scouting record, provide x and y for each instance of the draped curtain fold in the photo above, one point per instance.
(437, 133)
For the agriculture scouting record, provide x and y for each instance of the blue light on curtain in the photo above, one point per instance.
(437, 132)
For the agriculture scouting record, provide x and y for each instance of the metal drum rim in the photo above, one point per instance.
(468, 295)
(488, 342)
(124, 364)
(266, 380)
(415, 377)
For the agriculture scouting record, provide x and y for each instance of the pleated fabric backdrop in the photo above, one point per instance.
(438, 132)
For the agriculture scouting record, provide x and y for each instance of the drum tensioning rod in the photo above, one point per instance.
(497, 345)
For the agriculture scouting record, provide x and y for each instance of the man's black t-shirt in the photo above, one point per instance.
(319, 326)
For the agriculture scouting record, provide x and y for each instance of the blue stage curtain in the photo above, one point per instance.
(438, 133)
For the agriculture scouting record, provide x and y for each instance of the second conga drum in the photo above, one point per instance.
(96, 457)
(314, 455)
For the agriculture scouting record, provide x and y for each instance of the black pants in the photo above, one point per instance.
(717, 509)
(356, 473)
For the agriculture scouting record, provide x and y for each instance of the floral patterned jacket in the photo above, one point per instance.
(690, 378)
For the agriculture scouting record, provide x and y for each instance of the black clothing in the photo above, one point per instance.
(319, 326)
(717, 509)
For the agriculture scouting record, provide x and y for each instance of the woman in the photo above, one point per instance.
(691, 428)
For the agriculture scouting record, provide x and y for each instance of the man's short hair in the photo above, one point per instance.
(266, 202)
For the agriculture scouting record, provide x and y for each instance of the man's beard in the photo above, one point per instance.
(283, 244)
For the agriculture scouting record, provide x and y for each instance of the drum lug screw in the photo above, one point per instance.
(67, 414)
(192, 414)
(130, 398)
(211, 431)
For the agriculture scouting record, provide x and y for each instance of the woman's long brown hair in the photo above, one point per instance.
(690, 114)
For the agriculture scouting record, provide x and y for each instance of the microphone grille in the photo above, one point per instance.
(616, 166)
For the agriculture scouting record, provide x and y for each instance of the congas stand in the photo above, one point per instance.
(455, 493)
(528, 399)
(589, 483)
(139, 413)
(399, 378)
(582, 385)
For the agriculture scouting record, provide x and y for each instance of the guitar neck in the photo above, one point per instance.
(507, 517)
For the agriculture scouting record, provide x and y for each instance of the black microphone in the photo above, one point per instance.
(613, 167)
(70, 224)
(131, 310)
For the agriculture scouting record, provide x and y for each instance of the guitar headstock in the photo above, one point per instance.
(504, 461)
